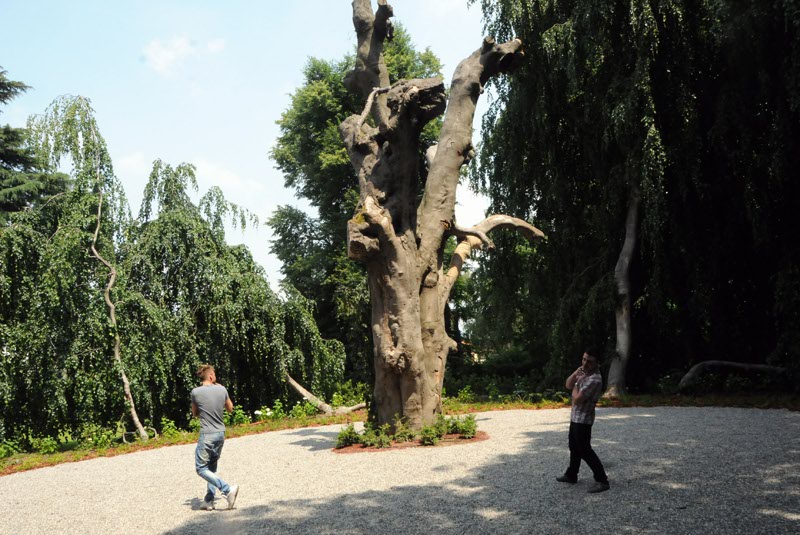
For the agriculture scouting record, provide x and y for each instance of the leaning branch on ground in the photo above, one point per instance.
(318, 403)
(693, 375)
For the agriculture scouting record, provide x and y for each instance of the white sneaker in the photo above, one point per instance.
(207, 505)
(231, 496)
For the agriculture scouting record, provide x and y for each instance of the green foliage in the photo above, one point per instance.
(94, 436)
(349, 393)
(442, 425)
(690, 105)
(169, 429)
(402, 432)
(237, 417)
(467, 426)
(277, 411)
(8, 448)
(429, 435)
(44, 445)
(348, 436)
(194, 425)
(183, 297)
(382, 437)
(465, 395)
(303, 409)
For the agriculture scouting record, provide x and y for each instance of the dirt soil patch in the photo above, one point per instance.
(447, 440)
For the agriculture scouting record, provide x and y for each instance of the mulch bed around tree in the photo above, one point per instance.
(447, 440)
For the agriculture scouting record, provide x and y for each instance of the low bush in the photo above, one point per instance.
(169, 429)
(429, 435)
(348, 436)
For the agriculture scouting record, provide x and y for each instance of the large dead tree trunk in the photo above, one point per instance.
(402, 243)
(619, 363)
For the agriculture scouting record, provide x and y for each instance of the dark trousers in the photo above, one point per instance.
(580, 447)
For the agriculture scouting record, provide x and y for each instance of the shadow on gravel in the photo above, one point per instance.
(317, 440)
(676, 472)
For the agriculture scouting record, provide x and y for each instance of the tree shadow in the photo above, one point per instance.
(319, 438)
(688, 473)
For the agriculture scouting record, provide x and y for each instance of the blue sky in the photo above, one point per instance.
(203, 82)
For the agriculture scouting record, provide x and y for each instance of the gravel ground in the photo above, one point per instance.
(672, 470)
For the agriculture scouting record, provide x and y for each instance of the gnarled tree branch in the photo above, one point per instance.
(475, 237)
(318, 403)
(370, 70)
(455, 143)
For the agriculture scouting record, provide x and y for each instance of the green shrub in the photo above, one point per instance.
(347, 437)
(465, 395)
(468, 426)
(277, 412)
(402, 433)
(95, 436)
(369, 438)
(169, 429)
(429, 436)
(348, 394)
(237, 417)
(194, 425)
(442, 425)
(303, 409)
(8, 448)
(45, 445)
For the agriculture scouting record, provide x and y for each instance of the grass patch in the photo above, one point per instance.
(19, 462)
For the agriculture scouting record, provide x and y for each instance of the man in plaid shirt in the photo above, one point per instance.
(586, 385)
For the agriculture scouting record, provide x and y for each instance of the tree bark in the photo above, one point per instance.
(694, 373)
(402, 243)
(112, 277)
(619, 363)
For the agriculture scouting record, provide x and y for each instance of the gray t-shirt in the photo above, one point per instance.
(210, 401)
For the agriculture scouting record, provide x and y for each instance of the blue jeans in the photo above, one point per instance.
(209, 448)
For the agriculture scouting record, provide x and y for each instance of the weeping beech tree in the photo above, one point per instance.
(401, 225)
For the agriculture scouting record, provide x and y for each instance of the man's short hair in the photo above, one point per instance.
(204, 370)
(590, 351)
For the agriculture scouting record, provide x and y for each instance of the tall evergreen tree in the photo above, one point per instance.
(23, 184)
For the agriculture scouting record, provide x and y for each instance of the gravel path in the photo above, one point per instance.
(672, 470)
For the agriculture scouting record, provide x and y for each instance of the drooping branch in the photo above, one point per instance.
(318, 403)
(477, 236)
(112, 277)
(455, 143)
(693, 375)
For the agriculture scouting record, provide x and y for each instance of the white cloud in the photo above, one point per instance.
(215, 45)
(165, 56)
(232, 185)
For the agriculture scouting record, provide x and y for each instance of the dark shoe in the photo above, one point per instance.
(599, 487)
(566, 479)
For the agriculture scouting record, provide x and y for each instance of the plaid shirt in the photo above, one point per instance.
(591, 388)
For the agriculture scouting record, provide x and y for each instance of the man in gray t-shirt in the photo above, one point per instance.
(208, 401)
